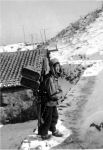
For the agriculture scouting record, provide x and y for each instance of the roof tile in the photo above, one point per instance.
(11, 64)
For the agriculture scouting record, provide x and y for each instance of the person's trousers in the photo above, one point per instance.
(50, 118)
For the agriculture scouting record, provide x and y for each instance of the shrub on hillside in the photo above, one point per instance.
(76, 25)
(72, 72)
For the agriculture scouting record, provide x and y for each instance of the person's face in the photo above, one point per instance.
(57, 68)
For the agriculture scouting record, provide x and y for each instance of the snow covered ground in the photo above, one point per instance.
(93, 114)
(17, 47)
(35, 142)
(95, 104)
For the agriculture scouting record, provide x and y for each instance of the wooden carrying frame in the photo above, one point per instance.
(30, 77)
(31, 73)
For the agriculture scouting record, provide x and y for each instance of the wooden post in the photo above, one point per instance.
(0, 97)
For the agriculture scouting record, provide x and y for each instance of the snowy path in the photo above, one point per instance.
(86, 107)
(35, 142)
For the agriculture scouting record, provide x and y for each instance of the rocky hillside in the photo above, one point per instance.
(82, 39)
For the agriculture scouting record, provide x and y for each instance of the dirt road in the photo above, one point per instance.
(85, 103)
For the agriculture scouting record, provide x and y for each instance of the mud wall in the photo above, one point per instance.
(18, 105)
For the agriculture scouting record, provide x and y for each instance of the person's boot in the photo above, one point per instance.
(57, 134)
(46, 137)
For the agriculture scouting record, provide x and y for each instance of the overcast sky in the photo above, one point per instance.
(19, 17)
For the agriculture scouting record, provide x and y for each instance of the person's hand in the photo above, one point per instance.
(63, 97)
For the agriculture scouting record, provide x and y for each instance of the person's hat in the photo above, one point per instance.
(54, 61)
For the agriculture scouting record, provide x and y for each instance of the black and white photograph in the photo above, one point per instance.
(51, 74)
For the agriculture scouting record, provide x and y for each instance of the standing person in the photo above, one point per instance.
(49, 101)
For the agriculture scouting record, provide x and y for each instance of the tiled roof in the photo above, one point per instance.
(11, 64)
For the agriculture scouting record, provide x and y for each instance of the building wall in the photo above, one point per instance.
(17, 105)
(10, 95)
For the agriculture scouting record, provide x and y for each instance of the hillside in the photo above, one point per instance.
(84, 37)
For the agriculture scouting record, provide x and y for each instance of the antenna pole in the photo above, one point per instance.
(24, 35)
(32, 40)
(41, 36)
(45, 35)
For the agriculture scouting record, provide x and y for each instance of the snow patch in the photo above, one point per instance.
(1, 125)
(94, 70)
